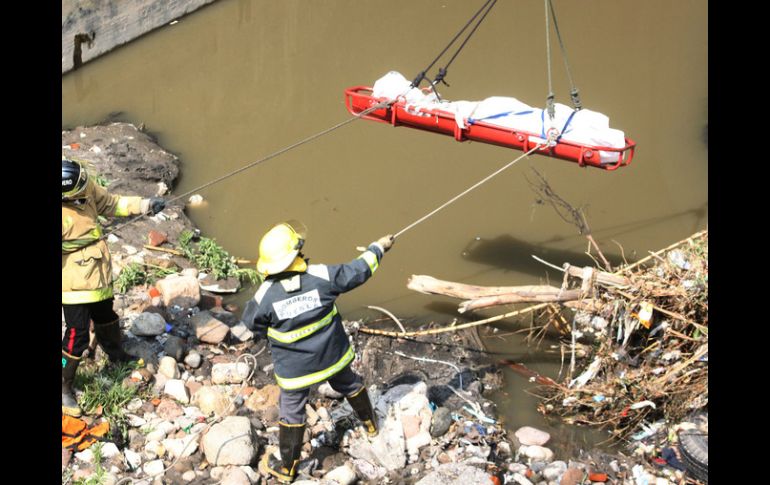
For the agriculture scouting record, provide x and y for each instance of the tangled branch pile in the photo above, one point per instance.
(647, 361)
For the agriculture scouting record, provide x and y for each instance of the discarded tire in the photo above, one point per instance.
(694, 447)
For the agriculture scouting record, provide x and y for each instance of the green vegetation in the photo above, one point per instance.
(104, 388)
(99, 179)
(134, 274)
(209, 256)
(100, 474)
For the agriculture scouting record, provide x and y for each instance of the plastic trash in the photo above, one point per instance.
(678, 259)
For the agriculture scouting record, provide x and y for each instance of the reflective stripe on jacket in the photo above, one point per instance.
(304, 328)
(86, 267)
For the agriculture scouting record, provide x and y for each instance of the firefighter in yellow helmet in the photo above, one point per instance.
(295, 308)
(86, 270)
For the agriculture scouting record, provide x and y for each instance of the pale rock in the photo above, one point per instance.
(211, 400)
(153, 468)
(528, 435)
(232, 373)
(208, 329)
(193, 359)
(181, 290)
(536, 453)
(235, 476)
(133, 459)
(455, 474)
(109, 450)
(181, 447)
(342, 475)
(188, 476)
(241, 332)
(168, 367)
(326, 390)
(229, 442)
(176, 389)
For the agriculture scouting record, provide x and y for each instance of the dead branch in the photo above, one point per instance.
(453, 328)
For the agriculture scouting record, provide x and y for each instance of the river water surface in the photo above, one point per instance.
(241, 79)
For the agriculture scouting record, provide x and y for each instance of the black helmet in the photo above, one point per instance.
(73, 178)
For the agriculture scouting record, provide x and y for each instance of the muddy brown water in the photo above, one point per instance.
(241, 79)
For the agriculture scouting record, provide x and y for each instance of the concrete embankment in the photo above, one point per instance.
(91, 28)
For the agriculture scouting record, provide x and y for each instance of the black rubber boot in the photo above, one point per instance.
(108, 335)
(69, 365)
(361, 404)
(290, 444)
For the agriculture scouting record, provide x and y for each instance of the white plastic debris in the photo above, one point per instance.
(195, 200)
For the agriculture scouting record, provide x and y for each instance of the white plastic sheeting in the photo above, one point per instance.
(586, 127)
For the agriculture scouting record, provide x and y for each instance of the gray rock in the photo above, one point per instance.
(175, 347)
(440, 422)
(455, 474)
(554, 471)
(148, 325)
(193, 359)
(229, 442)
(141, 348)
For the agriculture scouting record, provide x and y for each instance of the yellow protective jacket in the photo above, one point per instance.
(86, 267)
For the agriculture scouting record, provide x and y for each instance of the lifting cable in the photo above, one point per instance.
(443, 70)
(310, 138)
(477, 184)
(574, 93)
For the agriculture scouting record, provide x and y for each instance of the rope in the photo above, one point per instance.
(574, 94)
(421, 75)
(443, 71)
(252, 164)
(549, 98)
(477, 184)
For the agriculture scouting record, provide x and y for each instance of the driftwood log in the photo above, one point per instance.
(485, 296)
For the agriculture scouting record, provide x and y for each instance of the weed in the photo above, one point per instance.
(101, 180)
(104, 388)
(209, 256)
(100, 474)
(134, 274)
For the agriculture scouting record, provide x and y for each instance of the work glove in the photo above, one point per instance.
(156, 204)
(386, 242)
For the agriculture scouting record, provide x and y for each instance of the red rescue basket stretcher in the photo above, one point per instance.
(359, 99)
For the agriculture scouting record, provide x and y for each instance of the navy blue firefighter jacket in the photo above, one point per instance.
(304, 328)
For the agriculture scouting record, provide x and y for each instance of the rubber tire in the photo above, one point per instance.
(694, 448)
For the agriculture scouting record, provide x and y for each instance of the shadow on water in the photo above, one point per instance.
(510, 253)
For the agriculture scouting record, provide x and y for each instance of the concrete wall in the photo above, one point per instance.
(111, 23)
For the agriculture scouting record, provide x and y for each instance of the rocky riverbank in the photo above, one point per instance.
(204, 408)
